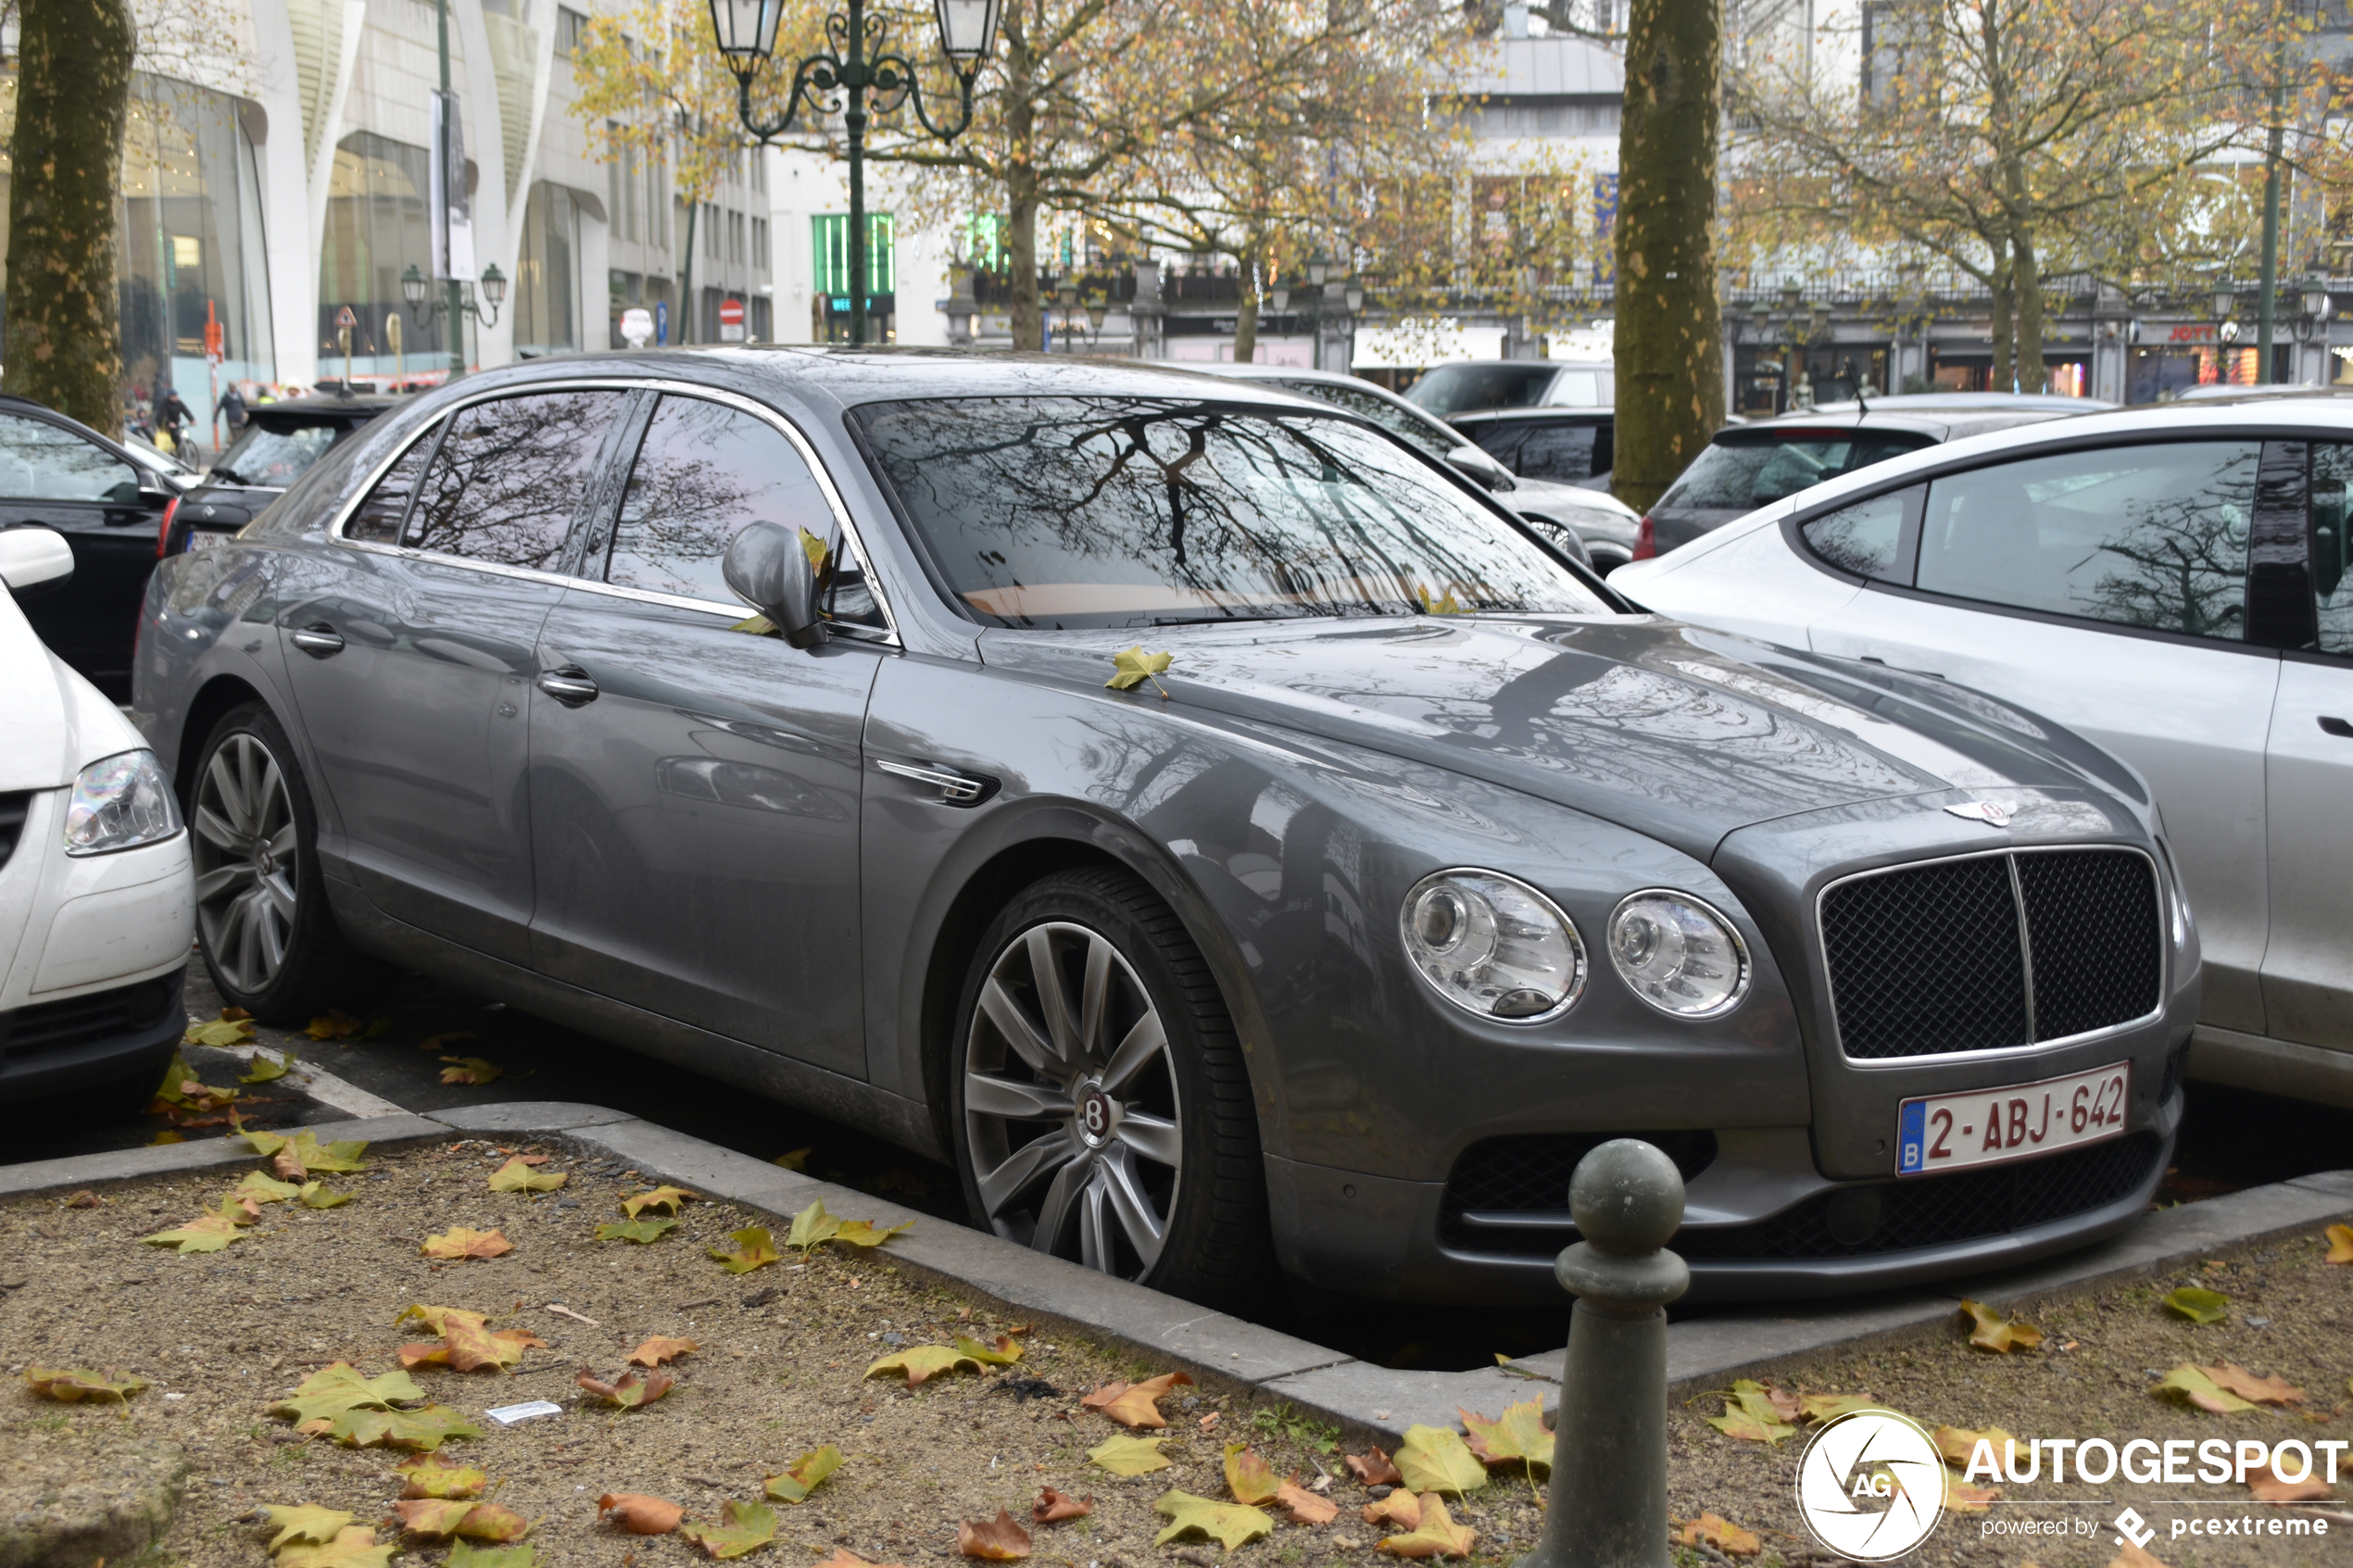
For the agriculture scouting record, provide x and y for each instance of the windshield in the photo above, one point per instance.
(1407, 424)
(1117, 511)
(1742, 475)
(275, 458)
(1462, 389)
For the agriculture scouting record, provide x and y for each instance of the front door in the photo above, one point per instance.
(53, 477)
(2106, 590)
(414, 663)
(695, 791)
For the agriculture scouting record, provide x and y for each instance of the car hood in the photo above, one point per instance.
(51, 721)
(1678, 733)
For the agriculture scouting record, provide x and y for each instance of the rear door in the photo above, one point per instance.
(694, 785)
(60, 478)
(2108, 590)
(414, 662)
(2307, 968)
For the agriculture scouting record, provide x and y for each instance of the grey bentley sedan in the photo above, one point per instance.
(794, 714)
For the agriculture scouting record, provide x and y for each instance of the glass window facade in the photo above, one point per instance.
(192, 242)
(376, 226)
(547, 273)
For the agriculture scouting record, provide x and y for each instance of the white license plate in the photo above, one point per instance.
(205, 539)
(1987, 1126)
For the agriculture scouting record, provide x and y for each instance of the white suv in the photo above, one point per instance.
(97, 900)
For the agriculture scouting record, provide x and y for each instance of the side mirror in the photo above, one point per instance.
(1482, 468)
(33, 558)
(769, 568)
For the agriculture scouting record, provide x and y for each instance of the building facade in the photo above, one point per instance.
(275, 180)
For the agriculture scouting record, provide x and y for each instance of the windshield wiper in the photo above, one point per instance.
(1207, 620)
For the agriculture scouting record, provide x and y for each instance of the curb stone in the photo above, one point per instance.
(1704, 1351)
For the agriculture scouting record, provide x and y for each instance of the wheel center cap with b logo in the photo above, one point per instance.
(1098, 1115)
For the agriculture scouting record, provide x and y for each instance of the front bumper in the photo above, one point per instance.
(97, 1037)
(1759, 1223)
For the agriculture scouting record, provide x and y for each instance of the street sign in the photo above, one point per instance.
(344, 317)
(731, 320)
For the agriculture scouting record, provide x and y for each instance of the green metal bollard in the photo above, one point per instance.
(1608, 1503)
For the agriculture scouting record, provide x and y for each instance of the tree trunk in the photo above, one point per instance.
(1028, 318)
(2004, 336)
(1246, 317)
(64, 338)
(1670, 367)
(686, 278)
(2026, 286)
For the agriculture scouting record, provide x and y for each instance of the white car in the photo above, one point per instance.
(97, 899)
(2170, 582)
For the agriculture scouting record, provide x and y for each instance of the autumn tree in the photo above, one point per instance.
(2012, 139)
(63, 328)
(1333, 104)
(652, 86)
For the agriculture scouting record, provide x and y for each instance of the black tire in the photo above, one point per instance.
(310, 967)
(1213, 1245)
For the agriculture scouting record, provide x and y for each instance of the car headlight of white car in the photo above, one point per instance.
(1678, 954)
(121, 802)
(1493, 946)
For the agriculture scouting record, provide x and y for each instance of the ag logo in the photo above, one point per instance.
(1871, 1485)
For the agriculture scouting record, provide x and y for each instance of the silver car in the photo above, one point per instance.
(2171, 582)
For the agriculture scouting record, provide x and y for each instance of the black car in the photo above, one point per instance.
(107, 498)
(1561, 446)
(277, 446)
(1749, 466)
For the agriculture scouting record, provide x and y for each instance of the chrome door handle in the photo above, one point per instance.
(955, 788)
(319, 640)
(569, 685)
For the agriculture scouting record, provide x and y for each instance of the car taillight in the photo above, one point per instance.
(163, 530)
(1645, 541)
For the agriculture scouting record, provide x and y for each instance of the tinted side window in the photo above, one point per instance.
(41, 462)
(1865, 538)
(508, 475)
(1500, 441)
(377, 519)
(1563, 453)
(2152, 536)
(703, 473)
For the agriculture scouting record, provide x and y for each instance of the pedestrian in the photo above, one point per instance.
(174, 417)
(233, 410)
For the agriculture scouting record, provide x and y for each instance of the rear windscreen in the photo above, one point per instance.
(275, 458)
(1748, 471)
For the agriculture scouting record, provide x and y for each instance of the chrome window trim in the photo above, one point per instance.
(2033, 1048)
(887, 634)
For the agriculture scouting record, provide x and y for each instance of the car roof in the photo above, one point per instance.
(327, 406)
(1950, 421)
(1902, 402)
(1506, 416)
(2176, 421)
(847, 377)
(1554, 364)
(2223, 393)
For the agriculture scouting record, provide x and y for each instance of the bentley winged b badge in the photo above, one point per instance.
(1993, 813)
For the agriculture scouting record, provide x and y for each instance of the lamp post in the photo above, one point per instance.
(2312, 319)
(858, 68)
(461, 301)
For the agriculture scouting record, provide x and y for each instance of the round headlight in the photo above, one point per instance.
(1493, 946)
(1678, 954)
(121, 802)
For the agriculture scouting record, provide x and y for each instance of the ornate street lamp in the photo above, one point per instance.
(2315, 299)
(861, 78)
(413, 289)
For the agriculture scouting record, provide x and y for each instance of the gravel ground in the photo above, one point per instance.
(2291, 1314)
(223, 1336)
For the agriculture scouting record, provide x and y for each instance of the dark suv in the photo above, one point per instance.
(277, 446)
(1748, 466)
(1559, 445)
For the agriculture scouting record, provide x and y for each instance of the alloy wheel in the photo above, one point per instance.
(1071, 1107)
(244, 850)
